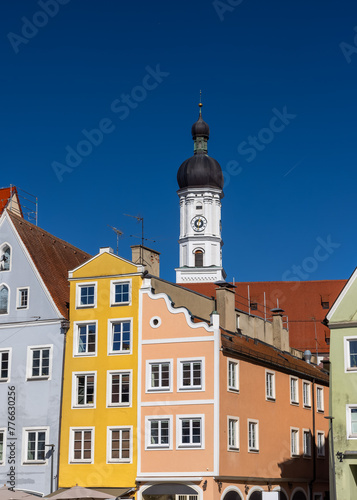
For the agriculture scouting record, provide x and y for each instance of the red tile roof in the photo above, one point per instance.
(52, 257)
(261, 353)
(301, 301)
(5, 194)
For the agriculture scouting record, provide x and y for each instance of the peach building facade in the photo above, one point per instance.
(223, 415)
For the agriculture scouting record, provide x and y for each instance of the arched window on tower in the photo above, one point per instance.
(5, 255)
(4, 299)
(198, 258)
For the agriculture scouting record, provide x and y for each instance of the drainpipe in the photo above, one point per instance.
(311, 484)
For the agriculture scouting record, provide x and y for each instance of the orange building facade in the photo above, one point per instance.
(223, 415)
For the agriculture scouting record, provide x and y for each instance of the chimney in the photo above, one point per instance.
(280, 334)
(147, 257)
(225, 297)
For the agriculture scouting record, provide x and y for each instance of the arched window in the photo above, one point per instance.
(256, 495)
(299, 495)
(5, 258)
(232, 495)
(198, 258)
(4, 299)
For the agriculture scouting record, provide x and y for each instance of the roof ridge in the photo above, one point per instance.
(20, 220)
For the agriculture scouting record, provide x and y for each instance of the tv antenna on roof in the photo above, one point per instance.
(140, 219)
(118, 233)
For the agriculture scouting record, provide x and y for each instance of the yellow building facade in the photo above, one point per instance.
(99, 403)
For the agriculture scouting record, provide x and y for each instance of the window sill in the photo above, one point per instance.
(232, 448)
(189, 447)
(45, 377)
(116, 304)
(233, 389)
(35, 462)
(253, 450)
(91, 306)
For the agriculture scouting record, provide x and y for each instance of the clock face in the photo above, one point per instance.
(199, 223)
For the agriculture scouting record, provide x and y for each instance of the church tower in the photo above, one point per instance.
(200, 181)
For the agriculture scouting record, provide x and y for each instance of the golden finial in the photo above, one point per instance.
(200, 103)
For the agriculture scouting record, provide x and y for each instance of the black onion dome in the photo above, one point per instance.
(200, 170)
(200, 128)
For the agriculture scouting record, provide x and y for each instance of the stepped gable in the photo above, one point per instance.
(52, 257)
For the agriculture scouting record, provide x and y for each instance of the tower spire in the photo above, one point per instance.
(200, 103)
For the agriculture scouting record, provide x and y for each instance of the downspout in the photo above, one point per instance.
(311, 484)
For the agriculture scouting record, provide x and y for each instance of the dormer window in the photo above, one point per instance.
(5, 255)
(4, 299)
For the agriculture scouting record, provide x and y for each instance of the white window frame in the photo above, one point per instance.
(1, 254)
(25, 436)
(296, 383)
(18, 297)
(81, 285)
(269, 391)
(192, 446)
(110, 374)
(149, 364)
(322, 452)
(320, 406)
(306, 444)
(346, 341)
(112, 292)
(294, 441)
(8, 298)
(111, 323)
(235, 424)
(75, 376)
(306, 404)
(30, 350)
(190, 388)
(76, 325)
(349, 409)
(3, 432)
(159, 418)
(119, 428)
(9, 351)
(255, 424)
(235, 363)
(72, 431)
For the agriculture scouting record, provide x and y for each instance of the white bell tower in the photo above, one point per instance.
(200, 181)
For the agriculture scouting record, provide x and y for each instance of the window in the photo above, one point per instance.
(4, 365)
(22, 298)
(81, 446)
(85, 339)
(119, 449)
(253, 435)
(319, 398)
(351, 421)
(120, 293)
(34, 445)
(2, 446)
(190, 374)
(233, 433)
(253, 306)
(119, 337)
(198, 258)
(306, 394)
(119, 388)
(190, 431)
(5, 257)
(320, 444)
(87, 295)
(158, 375)
(39, 362)
(83, 390)
(351, 353)
(270, 385)
(4, 299)
(294, 442)
(307, 443)
(159, 432)
(233, 381)
(294, 391)
(325, 305)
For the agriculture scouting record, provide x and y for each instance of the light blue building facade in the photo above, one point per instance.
(33, 323)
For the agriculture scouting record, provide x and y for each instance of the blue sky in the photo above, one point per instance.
(289, 199)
